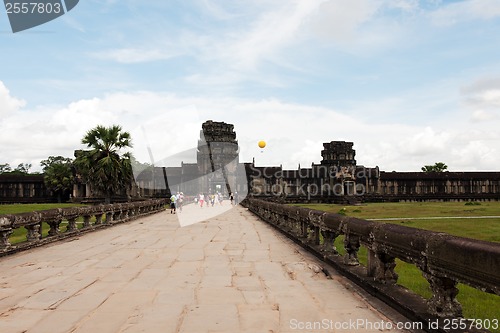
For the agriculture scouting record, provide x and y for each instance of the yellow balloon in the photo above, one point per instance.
(262, 144)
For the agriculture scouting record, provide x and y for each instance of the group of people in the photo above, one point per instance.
(176, 200)
(209, 199)
(215, 199)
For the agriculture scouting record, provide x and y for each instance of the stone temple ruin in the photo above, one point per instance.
(337, 178)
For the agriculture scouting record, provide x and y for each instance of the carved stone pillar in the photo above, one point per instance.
(86, 221)
(117, 215)
(313, 235)
(329, 241)
(4, 238)
(109, 217)
(33, 234)
(443, 302)
(303, 229)
(297, 227)
(98, 219)
(71, 224)
(54, 227)
(381, 267)
(125, 214)
(351, 245)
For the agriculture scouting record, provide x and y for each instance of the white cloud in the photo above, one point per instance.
(269, 34)
(425, 142)
(8, 103)
(482, 98)
(486, 99)
(294, 133)
(483, 116)
(477, 155)
(465, 11)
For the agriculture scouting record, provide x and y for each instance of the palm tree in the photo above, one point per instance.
(437, 167)
(105, 166)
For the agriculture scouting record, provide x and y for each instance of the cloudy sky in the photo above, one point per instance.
(410, 82)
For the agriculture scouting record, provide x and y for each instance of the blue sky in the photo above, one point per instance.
(409, 82)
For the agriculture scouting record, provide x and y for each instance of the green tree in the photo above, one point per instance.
(58, 175)
(23, 168)
(106, 167)
(5, 168)
(437, 167)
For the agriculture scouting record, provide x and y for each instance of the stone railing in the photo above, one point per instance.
(444, 260)
(104, 216)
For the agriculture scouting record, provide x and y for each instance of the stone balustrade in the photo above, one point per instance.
(444, 260)
(105, 216)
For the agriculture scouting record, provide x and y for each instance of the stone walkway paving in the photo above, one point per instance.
(230, 273)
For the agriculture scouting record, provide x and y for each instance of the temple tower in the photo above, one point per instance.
(338, 157)
(339, 154)
(217, 156)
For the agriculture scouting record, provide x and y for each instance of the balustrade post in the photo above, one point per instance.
(71, 225)
(109, 217)
(313, 234)
(86, 221)
(98, 218)
(32, 234)
(303, 229)
(295, 225)
(54, 227)
(443, 302)
(381, 267)
(4, 238)
(351, 245)
(329, 241)
(117, 215)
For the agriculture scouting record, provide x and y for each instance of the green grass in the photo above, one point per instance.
(19, 234)
(482, 229)
(476, 304)
(26, 208)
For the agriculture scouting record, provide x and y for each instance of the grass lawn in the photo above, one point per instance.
(19, 235)
(26, 208)
(487, 229)
(476, 304)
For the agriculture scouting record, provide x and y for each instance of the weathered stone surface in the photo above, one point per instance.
(231, 273)
(55, 217)
(444, 260)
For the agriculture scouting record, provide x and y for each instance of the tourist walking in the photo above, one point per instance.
(173, 200)
(180, 200)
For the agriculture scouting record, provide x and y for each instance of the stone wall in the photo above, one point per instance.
(444, 260)
(92, 218)
(24, 189)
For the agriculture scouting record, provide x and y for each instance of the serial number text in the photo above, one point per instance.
(33, 8)
(462, 323)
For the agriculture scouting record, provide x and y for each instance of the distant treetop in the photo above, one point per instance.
(437, 167)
